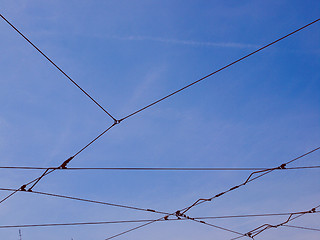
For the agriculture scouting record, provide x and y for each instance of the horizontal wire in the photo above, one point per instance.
(154, 168)
(56, 66)
(144, 220)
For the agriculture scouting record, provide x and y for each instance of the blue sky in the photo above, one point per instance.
(258, 113)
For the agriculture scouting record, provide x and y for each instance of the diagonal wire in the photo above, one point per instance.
(49, 171)
(56, 66)
(300, 227)
(85, 200)
(226, 66)
(215, 226)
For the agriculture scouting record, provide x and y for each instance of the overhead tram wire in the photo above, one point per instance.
(56, 66)
(265, 171)
(181, 213)
(118, 121)
(135, 208)
(155, 168)
(253, 233)
(226, 66)
(147, 220)
(50, 170)
(116, 205)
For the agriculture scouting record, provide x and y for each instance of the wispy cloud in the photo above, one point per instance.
(185, 42)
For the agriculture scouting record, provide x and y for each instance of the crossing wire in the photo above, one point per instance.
(50, 170)
(181, 213)
(35, 181)
(253, 233)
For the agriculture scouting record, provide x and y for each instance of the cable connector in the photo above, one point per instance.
(248, 234)
(233, 188)
(117, 121)
(179, 214)
(23, 188)
(282, 166)
(64, 164)
(220, 194)
(313, 210)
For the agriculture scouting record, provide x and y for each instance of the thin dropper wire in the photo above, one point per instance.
(144, 220)
(56, 66)
(300, 227)
(200, 201)
(153, 168)
(226, 66)
(36, 180)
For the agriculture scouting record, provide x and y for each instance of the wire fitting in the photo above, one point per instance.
(178, 214)
(282, 166)
(23, 188)
(313, 210)
(117, 121)
(64, 164)
(220, 194)
(248, 234)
